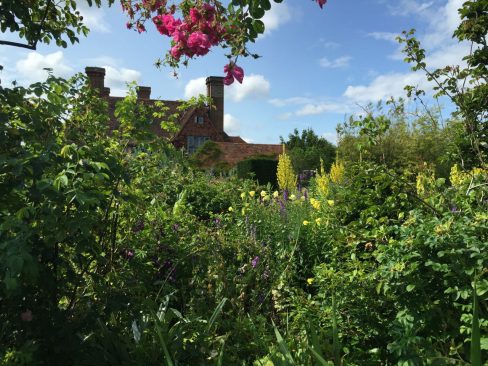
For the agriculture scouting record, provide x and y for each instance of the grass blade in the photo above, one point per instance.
(283, 347)
(319, 358)
(475, 332)
(216, 313)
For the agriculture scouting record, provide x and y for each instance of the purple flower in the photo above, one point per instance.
(127, 253)
(282, 207)
(255, 262)
(285, 195)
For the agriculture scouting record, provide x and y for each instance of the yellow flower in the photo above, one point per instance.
(318, 221)
(302, 198)
(243, 195)
(276, 194)
(310, 280)
(266, 198)
(330, 202)
(322, 180)
(293, 197)
(305, 222)
(231, 209)
(252, 193)
(264, 193)
(287, 180)
(315, 203)
(337, 172)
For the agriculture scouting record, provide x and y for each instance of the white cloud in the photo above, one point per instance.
(385, 86)
(442, 24)
(117, 78)
(409, 7)
(287, 101)
(384, 36)
(441, 50)
(195, 87)
(320, 108)
(335, 64)
(31, 68)
(278, 15)
(449, 55)
(331, 137)
(253, 87)
(309, 106)
(93, 17)
(231, 124)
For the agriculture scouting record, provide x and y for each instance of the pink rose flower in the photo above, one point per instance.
(233, 71)
(321, 3)
(198, 43)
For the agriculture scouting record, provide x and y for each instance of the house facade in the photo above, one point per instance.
(196, 125)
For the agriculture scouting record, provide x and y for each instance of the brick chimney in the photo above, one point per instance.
(215, 90)
(96, 78)
(143, 92)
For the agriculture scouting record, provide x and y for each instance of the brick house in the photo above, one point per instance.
(196, 125)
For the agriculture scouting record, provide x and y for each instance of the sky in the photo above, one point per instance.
(317, 67)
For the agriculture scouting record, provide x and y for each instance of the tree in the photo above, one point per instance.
(466, 86)
(306, 150)
(43, 21)
(399, 138)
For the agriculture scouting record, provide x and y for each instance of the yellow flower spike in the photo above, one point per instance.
(243, 195)
(305, 223)
(337, 172)
(231, 209)
(310, 280)
(252, 193)
(243, 212)
(266, 198)
(315, 203)
(287, 180)
(264, 193)
(276, 194)
(322, 180)
(330, 202)
(318, 221)
(293, 197)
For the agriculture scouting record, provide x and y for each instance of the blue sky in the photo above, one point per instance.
(317, 66)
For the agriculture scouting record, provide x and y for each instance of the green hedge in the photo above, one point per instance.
(260, 168)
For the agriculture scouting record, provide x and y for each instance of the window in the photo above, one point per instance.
(199, 120)
(194, 142)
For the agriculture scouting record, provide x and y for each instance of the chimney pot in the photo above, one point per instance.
(215, 90)
(144, 92)
(96, 77)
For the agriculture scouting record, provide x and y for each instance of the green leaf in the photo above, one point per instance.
(283, 347)
(475, 351)
(410, 288)
(258, 26)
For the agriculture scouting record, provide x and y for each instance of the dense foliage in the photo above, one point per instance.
(114, 250)
(262, 169)
(306, 150)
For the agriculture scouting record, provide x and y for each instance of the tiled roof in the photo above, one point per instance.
(232, 152)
